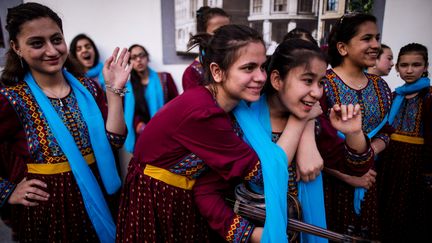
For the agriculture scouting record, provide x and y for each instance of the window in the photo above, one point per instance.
(332, 5)
(305, 6)
(280, 6)
(257, 6)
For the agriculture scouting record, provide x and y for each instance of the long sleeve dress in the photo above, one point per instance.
(405, 203)
(193, 75)
(29, 150)
(185, 162)
(375, 102)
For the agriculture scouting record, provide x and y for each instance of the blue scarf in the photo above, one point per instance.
(96, 72)
(360, 192)
(96, 207)
(311, 195)
(274, 165)
(155, 100)
(403, 90)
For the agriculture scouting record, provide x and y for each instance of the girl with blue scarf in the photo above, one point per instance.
(59, 132)
(293, 90)
(405, 192)
(85, 54)
(150, 90)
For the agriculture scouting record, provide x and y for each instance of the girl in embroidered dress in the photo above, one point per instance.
(353, 46)
(60, 132)
(207, 20)
(404, 197)
(191, 153)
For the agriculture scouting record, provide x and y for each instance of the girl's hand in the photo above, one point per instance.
(346, 118)
(256, 235)
(27, 192)
(316, 111)
(116, 69)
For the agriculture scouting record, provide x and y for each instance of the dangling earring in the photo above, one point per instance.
(20, 58)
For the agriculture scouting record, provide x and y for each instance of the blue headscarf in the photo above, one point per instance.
(96, 72)
(310, 194)
(155, 100)
(274, 165)
(94, 201)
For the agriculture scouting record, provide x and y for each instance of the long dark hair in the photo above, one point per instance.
(222, 47)
(16, 17)
(344, 30)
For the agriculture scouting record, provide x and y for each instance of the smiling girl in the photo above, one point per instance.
(60, 132)
(353, 46)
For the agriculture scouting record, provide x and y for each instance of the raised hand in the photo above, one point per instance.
(346, 118)
(116, 69)
(28, 192)
(315, 111)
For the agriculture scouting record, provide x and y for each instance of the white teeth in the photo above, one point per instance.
(308, 103)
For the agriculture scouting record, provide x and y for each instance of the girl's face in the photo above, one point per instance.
(301, 88)
(411, 66)
(385, 63)
(216, 22)
(362, 49)
(138, 59)
(85, 53)
(41, 44)
(244, 79)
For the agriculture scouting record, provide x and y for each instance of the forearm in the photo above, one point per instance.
(378, 145)
(115, 119)
(357, 141)
(290, 137)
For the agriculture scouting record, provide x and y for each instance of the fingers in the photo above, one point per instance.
(346, 112)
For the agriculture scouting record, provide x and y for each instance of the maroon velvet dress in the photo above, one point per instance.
(405, 196)
(185, 163)
(26, 139)
(193, 75)
(375, 102)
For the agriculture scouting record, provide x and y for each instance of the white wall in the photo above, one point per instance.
(407, 21)
(112, 23)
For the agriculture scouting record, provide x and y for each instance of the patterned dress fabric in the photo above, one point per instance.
(192, 139)
(404, 196)
(375, 102)
(26, 138)
(193, 75)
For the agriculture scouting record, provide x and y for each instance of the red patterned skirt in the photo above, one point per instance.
(153, 211)
(63, 218)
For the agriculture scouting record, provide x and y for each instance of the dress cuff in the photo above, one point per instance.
(116, 140)
(240, 230)
(6, 188)
(356, 158)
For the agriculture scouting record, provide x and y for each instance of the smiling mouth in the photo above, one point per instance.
(307, 103)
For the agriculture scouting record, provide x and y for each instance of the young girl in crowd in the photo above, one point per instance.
(294, 84)
(190, 153)
(354, 46)
(208, 20)
(405, 206)
(384, 62)
(59, 132)
(86, 56)
(150, 90)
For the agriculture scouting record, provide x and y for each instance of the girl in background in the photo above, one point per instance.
(60, 130)
(85, 54)
(208, 20)
(404, 196)
(353, 46)
(384, 62)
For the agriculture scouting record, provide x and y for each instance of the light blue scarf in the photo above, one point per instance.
(359, 192)
(311, 195)
(96, 72)
(154, 97)
(403, 90)
(274, 165)
(96, 207)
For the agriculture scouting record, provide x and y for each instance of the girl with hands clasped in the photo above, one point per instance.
(57, 132)
(292, 93)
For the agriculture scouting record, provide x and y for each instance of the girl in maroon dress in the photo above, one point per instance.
(57, 135)
(190, 154)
